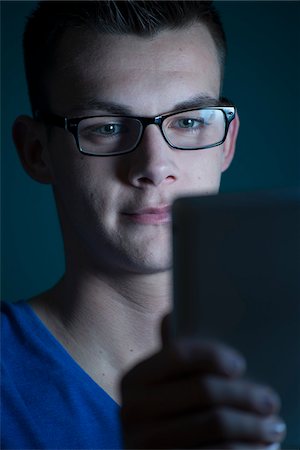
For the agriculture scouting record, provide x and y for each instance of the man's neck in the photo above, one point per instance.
(106, 324)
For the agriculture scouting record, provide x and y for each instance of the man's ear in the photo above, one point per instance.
(30, 140)
(229, 144)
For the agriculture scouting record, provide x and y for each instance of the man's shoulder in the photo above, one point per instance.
(41, 385)
(16, 332)
(12, 317)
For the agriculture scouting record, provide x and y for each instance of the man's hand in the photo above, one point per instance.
(191, 395)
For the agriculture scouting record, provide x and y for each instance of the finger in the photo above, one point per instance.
(183, 357)
(166, 329)
(198, 393)
(231, 425)
(204, 430)
(242, 446)
(239, 394)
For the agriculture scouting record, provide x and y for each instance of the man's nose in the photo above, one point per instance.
(153, 162)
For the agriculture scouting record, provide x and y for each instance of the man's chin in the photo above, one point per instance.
(142, 263)
(150, 265)
(153, 269)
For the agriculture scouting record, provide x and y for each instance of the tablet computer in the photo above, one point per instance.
(236, 278)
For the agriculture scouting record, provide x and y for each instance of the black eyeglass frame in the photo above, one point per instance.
(71, 125)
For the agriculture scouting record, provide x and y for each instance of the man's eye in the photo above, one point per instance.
(109, 129)
(189, 123)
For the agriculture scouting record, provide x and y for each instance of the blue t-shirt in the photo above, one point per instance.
(48, 401)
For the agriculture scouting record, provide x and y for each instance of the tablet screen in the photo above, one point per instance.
(237, 279)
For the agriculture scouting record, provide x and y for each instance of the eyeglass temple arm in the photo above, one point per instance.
(51, 119)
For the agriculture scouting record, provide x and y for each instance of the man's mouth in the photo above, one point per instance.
(151, 215)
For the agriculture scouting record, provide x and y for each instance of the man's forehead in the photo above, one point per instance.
(89, 61)
(77, 45)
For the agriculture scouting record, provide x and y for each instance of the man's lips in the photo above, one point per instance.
(151, 215)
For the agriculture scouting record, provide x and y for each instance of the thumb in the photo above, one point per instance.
(166, 329)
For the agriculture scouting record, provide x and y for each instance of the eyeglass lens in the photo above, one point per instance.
(186, 130)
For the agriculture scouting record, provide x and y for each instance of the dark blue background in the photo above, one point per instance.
(262, 78)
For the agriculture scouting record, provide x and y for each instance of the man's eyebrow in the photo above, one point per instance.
(119, 109)
(109, 107)
(198, 101)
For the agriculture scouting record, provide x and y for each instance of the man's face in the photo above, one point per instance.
(114, 208)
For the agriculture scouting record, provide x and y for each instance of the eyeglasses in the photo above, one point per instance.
(109, 135)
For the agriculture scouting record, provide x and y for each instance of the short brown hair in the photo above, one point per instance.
(47, 24)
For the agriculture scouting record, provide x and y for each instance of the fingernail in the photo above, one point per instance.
(268, 403)
(275, 429)
(236, 365)
(274, 446)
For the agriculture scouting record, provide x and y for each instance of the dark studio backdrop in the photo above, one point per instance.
(263, 79)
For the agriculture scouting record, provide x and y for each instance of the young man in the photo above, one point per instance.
(126, 117)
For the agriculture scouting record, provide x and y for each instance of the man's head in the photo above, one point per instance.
(114, 209)
(50, 21)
